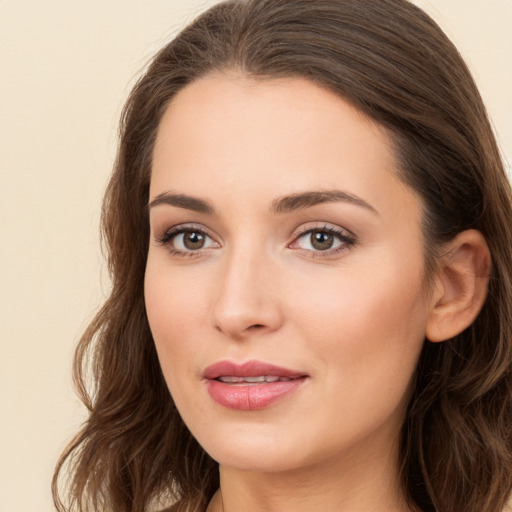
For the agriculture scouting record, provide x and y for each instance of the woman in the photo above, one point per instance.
(309, 237)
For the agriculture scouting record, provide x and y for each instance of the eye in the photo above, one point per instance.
(328, 240)
(186, 240)
(319, 241)
(190, 240)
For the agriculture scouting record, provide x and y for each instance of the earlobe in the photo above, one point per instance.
(460, 287)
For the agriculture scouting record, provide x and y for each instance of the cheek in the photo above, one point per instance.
(367, 328)
(175, 315)
(174, 295)
(174, 306)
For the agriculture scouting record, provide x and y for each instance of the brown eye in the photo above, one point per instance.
(193, 240)
(321, 240)
(324, 240)
(187, 241)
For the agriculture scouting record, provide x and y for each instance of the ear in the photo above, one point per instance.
(460, 286)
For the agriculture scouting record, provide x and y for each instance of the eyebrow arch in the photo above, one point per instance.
(285, 204)
(182, 201)
(308, 199)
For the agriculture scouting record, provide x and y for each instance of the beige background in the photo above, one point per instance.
(65, 68)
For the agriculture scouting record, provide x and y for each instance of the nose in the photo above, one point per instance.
(247, 300)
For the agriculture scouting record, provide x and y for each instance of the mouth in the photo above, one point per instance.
(252, 385)
(248, 381)
(250, 372)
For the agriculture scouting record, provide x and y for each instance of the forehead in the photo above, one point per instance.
(288, 133)
(228, 107)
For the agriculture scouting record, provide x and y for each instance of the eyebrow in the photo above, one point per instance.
(182, 201)
(305, 200)
(285, 204)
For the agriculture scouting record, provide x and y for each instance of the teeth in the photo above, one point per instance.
(255, 379)
(231, 379)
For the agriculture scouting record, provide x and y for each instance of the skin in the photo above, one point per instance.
(354, 321)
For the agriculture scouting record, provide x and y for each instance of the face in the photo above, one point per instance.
(285, 281)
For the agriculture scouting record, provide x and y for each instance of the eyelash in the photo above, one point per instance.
(347, 239)
(172, 233)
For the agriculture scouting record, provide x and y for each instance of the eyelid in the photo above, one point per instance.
(172, 232)
(345, 236)
(323, 226)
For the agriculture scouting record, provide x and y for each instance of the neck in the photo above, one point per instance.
(332, 486)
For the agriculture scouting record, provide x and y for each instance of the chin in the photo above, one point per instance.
(255, 461)
(254, 452)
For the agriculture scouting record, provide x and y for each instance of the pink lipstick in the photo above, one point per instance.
(252, 385)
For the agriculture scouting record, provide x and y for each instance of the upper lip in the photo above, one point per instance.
(249, 369)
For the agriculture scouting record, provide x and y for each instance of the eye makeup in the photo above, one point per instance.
(317, 240)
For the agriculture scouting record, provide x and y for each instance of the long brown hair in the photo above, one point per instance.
(390, 60)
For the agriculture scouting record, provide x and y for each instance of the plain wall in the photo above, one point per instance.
(65, 69)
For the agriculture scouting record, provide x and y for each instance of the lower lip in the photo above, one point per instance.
(253, 396)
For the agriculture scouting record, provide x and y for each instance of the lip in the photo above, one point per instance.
(249, 369)
(250, 396)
